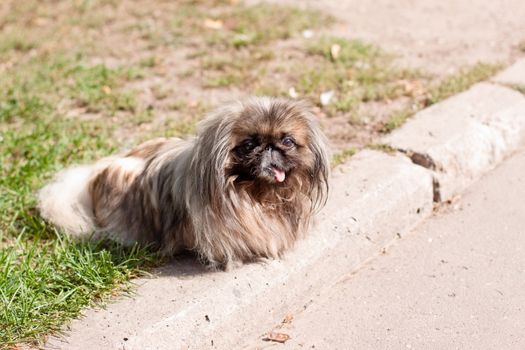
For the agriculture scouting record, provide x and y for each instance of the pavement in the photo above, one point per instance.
(456, 282)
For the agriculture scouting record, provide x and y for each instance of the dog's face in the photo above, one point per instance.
(274, 142)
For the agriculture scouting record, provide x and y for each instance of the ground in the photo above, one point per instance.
(82, 79)
(455, 282)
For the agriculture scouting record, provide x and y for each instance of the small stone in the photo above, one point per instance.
(335, 50)
(326, 97)
(292, 92)
(308, 33)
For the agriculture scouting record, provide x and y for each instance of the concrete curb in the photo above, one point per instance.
(464, 136)
(375, 198)
(514, 75)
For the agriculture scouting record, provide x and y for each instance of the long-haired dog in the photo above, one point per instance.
(245, 187)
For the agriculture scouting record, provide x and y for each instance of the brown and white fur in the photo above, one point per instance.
(245, 187)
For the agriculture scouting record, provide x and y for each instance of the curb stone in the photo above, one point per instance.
(514, 75)
(375, 197)
(463, 137)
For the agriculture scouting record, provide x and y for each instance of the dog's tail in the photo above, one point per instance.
(66, 202)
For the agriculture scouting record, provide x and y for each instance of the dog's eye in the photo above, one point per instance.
(249, 144)
(288, 141)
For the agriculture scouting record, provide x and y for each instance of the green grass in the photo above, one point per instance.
(451, 85)
(341, 156)
(262, 23)
(398, 118)
(242, 46)
(381, 147)
(355, 71)
(45, 279)
(461, 81)
(45, 282)
(16, 43)
(64, 79)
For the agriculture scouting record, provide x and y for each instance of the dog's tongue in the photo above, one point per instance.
(279, 175)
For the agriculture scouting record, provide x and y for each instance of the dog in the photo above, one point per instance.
(245, 187)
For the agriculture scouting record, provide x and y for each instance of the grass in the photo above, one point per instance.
(244, 40)
(357, 72)
(341, 156)
(398, 118)
(382, 148)
(16, 43)
(45, 282)
(261, 24)
(451, 85)
(461, 81)
(45, 279)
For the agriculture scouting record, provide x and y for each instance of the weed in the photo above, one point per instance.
(262, 23)
(355, 71)
(382, 148)
(397, 118)
(43, 283)
(341, 156)
(461, 81)
(451, 85)
(46, 279)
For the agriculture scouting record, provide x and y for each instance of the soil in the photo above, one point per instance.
(439, 36)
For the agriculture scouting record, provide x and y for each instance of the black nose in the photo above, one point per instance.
(269, 148)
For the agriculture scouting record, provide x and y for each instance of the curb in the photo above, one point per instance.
(464, 136)
(375, 199)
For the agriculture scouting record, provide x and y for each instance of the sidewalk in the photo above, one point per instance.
(456, 282)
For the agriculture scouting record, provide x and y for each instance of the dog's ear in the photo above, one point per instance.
(320, 171)
(213, 146)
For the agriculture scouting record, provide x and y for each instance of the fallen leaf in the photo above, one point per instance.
(276, 337)
(106, 89)
(335, 50)
(213, 24)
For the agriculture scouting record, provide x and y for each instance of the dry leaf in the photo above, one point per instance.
(335, 50)
(276, 337)
(213, 24)
(106, 89)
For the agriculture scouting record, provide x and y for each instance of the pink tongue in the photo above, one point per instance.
(279, 175)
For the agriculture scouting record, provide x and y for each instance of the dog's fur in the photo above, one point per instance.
(236, 192)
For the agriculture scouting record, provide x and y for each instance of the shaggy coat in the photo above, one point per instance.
(245, 187)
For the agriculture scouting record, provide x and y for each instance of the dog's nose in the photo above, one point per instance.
(269, 147)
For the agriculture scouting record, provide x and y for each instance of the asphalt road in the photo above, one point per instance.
(457, 282)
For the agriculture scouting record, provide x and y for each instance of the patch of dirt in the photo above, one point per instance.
(189, 66)
(439, 36)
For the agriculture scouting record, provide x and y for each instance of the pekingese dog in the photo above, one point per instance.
(244, 188)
